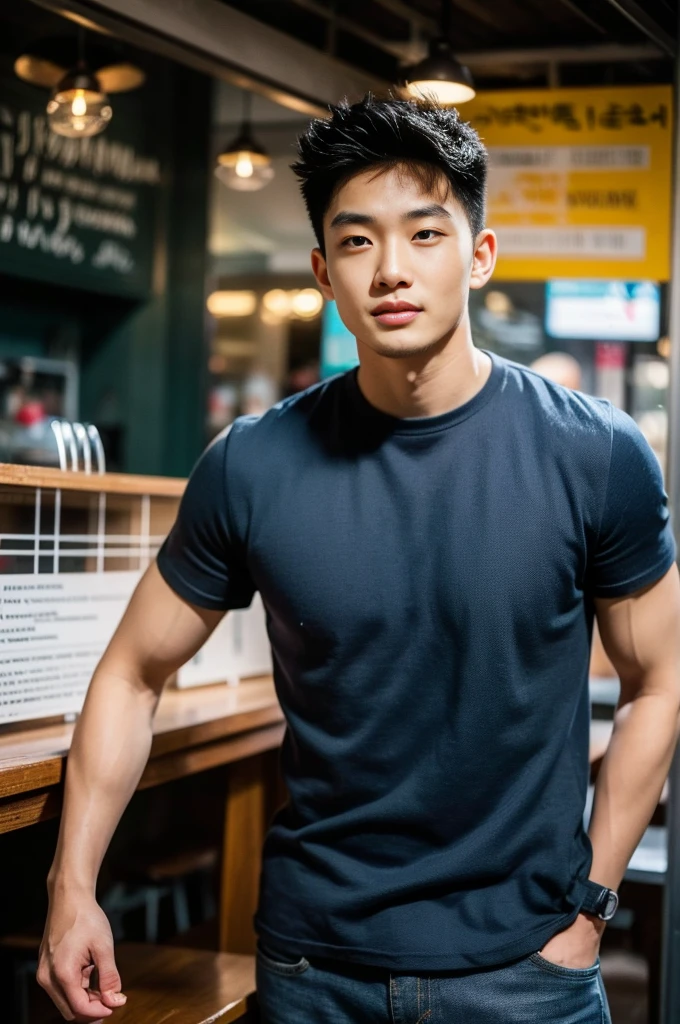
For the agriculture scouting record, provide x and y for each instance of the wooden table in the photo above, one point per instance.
(194, 730)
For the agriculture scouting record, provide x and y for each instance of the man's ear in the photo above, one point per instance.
(320, 268)
(483, 258)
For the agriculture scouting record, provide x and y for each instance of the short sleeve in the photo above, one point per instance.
(199, 558)
(635, 544)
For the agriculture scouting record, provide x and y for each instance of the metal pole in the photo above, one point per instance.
(670, 977)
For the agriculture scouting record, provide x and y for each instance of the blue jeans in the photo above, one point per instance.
(295, 990)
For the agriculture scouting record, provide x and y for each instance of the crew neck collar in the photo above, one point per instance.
(427, 424)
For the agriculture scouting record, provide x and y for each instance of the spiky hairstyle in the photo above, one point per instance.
(384, 133)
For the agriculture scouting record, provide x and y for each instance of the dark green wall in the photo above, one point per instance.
(187, 349)
(150, 368)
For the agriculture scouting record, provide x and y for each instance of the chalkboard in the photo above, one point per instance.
(77, 212)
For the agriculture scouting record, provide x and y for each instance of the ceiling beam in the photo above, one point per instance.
(638, 16)
(576, 9)
(399, 50)
(605, 53)
(599, 52)
(225, 43)
(410, 14)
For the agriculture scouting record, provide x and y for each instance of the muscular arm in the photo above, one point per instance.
(641, 635)
(111, 743)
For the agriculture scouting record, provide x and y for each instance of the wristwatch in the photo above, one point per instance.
(600, 901)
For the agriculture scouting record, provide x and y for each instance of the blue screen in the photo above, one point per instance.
(338, 345)
(603, 310)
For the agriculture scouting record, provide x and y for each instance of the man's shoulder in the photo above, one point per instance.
(563, 410)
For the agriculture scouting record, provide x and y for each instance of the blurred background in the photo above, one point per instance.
(158, 299)
(155, 283)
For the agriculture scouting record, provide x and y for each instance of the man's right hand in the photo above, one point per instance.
(111, 742)
(77, 939)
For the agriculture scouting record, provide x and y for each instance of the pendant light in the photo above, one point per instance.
(244, 165)
(440, 76)
(78, 107)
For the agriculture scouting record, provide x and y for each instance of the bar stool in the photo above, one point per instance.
(182, 986)
(164, 875)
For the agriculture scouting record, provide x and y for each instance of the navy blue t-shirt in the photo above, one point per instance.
(428, 585)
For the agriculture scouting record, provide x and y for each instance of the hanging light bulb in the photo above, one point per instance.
(78, 107)
(244, 165)
(440, 76)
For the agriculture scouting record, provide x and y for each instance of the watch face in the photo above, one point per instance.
(610, 904)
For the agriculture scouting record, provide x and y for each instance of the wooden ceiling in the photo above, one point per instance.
(573, 42)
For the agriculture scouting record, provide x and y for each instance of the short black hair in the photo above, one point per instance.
(385, 133)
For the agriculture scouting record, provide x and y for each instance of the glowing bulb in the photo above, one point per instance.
(306, 303)
(232, 303)
(277, 301)
(244, 166)
(79, 105)
(243, 169)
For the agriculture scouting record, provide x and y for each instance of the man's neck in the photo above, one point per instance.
(426, 385)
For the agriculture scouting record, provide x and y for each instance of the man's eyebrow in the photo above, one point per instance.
(433, 210)
(350, 217)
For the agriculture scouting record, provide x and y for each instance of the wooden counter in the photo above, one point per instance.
(194, 729)
(54, 522)
(111, 483)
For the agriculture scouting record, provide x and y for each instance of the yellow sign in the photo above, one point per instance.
(579, 181)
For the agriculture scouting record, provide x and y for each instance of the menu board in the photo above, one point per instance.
(77, 212)
(54, 628)
(580, 181)
(238, 648)
(53, 631)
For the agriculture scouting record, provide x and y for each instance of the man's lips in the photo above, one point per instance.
(396, 316)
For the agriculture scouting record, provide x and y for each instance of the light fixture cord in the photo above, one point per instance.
(81, 45)
(446, 20)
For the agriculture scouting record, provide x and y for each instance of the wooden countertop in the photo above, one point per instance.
(111, 483)
(194, 729)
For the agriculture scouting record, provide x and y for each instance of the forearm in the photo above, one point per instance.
(110, 748)
(631, 779)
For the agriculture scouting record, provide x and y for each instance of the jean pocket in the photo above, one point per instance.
(279, 962)
(576, 973)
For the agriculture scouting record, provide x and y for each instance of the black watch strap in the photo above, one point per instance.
(599, 901)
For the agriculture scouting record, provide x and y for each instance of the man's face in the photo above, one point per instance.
(387, 241)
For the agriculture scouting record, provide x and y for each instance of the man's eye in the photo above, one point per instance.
(427, 231)
(354, 238)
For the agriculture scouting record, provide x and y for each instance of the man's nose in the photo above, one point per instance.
(393, 267)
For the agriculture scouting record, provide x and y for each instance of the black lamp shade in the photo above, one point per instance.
(440, 75)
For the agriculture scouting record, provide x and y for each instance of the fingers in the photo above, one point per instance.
(44, 978)
(108, 978)
(59, 1000)
(75, 1002)
(84, 1007)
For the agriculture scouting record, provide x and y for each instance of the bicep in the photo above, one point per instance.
(641, 633)
(158, 633)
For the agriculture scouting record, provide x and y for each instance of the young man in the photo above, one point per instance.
(431, 537)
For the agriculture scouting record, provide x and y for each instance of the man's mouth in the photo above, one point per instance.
(396, 315)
